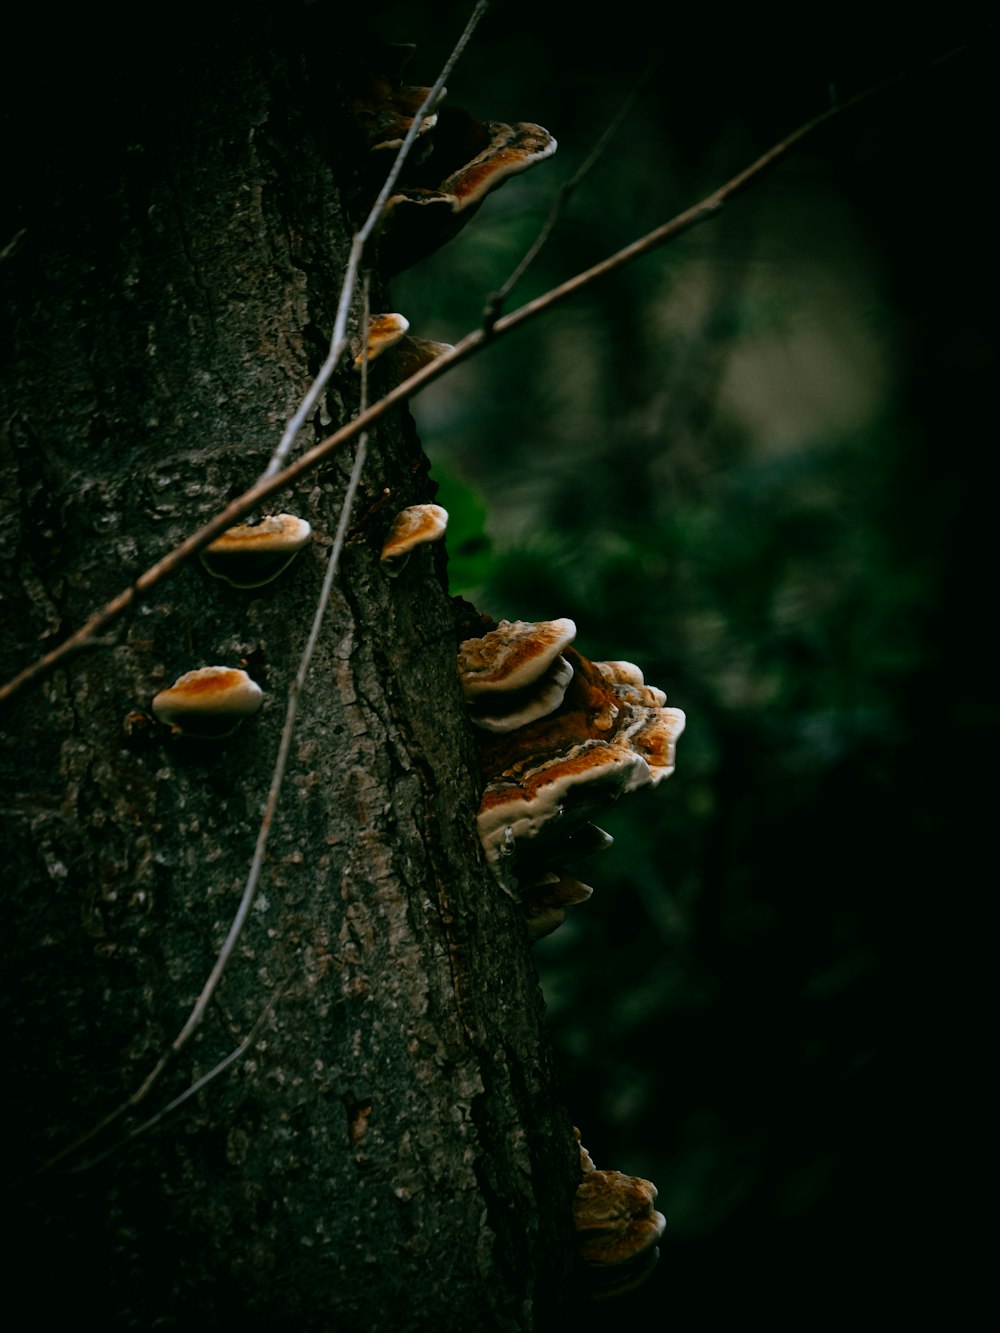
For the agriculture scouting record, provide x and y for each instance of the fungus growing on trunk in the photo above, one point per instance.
(386, 114)
(565, 788)
(384, 331)
(508, 710)
(412, 354)
(629, 684)
(545, 902)
(564, 739)
(253, 553)
(412, 527)
(468, 160)
(617, 1230)
(511, 657)
(208, 703)
(511, 150)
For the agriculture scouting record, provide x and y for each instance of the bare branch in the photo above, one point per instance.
(496, 301)
(338, 340)
(467, 347)
(193, 1088)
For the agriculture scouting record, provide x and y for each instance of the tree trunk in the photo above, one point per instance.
(390, 1152)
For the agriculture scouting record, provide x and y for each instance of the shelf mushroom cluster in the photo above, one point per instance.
(617, 1228)
(561, 738)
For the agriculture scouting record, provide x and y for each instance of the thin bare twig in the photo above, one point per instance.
(338, 339)
(495, 303)
(471, 344)
(193, 1088)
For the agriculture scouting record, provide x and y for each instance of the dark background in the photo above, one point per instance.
(753, 463)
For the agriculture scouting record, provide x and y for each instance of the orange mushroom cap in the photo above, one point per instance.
(410, 528)
(384, 331)
(512, 656)
(252, 554)
(508, 710)
(421, 216)
(511, 149)
(208, 703)
(614, 1218)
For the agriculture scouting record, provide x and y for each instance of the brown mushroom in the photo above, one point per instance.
(653, 733)
(412, 354)
(393, 115)
(384, 107)
(384, 331)
(547, 775)
(508, 710)
(511, 150)
(208, 703)
(554, 794)
(411, 528)
(427, 211)
(617, 1230)
(545, 902)
(512, 656)
(253, 553)
(627, 681)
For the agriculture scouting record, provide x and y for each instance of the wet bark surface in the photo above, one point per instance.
(391, 1152)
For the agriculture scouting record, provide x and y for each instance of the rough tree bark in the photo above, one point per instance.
(392, 1153)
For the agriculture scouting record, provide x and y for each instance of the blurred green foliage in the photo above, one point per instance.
(732, 464)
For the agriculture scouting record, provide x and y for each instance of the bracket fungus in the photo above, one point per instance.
(208, 703)
(553, 792)
(560, 739)
(253, 553)
(473, 159)
(387, 113)
(617, 1229)
(384, 331)
(516, 673)
(511, 150)
(516, 708)
(412, 527)
(412, 354)
(628, 681)
(511, 657)
(545, 902)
